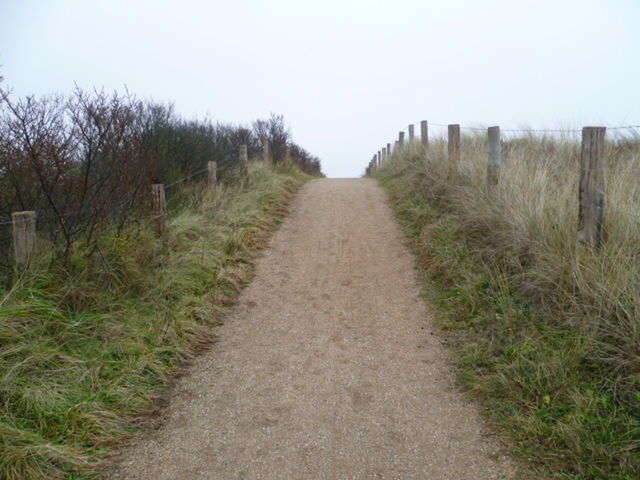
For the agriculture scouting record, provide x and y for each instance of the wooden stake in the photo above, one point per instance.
(453, 146)
(592, 187)
(265, 151)
(244, 162)
(388, 150)
(411, 133)
(424, 133)
(159, 207)
(495, 156)
(24, 235)
(401, 140)
(384, 154)
(212, 168)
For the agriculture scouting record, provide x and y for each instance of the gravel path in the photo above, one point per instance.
(327, 369)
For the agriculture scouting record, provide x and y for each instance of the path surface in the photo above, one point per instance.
(327, 369)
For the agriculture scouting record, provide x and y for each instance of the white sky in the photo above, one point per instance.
(347, 75)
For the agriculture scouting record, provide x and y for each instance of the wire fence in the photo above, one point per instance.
(527, 130)
(138, 206)
(592, 164)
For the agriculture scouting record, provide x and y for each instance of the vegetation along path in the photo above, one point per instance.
(327, 369)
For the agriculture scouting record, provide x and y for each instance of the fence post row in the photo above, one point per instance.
(453, 146)
(592, 193)
(24, 235)
(244, 162)
(424, 133)
(495, 157)
(212, 169)
(159, 207)
(592, 187)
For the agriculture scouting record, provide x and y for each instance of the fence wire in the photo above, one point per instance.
(90, 208)
(555, 165)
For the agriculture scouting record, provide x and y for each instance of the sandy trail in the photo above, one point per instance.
(327, 369)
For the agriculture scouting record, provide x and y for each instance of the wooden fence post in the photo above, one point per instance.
(287, 156)
(592, 187)
(411, 133)
(388, 150)
(265, 151)
(212, 169)
(24, 235)
(453, 146)
(159, 207)
(495, 157)
(384, 155)
(379, 158)
(401, 140)
(244, 162)
(424, 133)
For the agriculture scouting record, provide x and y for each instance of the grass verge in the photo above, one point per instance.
(86, 346)
(532, 352)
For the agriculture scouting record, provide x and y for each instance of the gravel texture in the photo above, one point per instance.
(327, 369)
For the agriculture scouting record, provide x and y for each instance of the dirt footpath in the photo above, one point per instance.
(327, 369)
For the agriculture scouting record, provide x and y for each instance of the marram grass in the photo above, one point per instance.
(547, 334)
(86, 346)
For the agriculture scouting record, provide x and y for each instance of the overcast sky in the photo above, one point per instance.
(347, 75)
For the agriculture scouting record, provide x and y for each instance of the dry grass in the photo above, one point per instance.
(549, 332)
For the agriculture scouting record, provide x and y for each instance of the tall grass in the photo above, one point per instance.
(548, 332)
(86, 346)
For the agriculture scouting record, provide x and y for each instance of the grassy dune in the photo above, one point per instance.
(86, 346)
(547, 333)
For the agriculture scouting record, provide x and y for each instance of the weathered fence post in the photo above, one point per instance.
(24, 235)
(384, 155)
(379, 158)
(495, 156)
(453, 145)
(212, 169)
(244, 162)
(388, 150)
(424, 133)
(265, 151)
(592, 187)
(159, 207)
(287, 156)
(401, 140)
(411, 133)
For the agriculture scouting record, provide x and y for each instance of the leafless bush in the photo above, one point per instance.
(86, 161)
